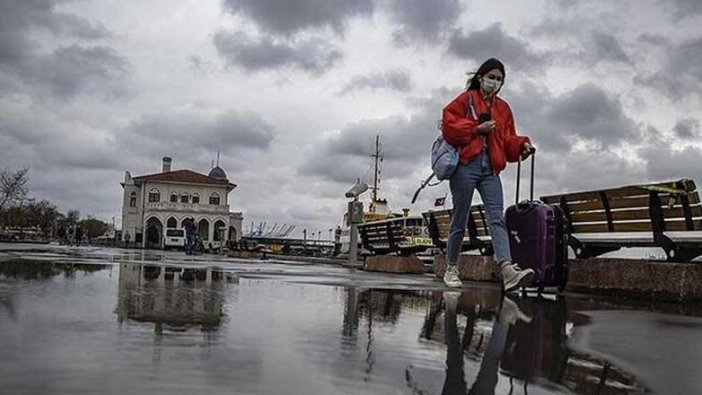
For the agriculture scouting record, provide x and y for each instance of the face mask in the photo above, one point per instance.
(490, 86)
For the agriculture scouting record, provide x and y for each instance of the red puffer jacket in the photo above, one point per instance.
(459, 128)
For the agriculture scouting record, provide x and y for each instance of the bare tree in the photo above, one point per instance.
(13, 186)
(73, 216)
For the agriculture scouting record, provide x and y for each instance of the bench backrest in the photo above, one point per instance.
(381, 233)
(667, 206)
(439, 223)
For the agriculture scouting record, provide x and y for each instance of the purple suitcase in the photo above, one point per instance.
(537, 238)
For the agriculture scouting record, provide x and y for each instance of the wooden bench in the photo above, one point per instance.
(477, 235)
(666, 215)
(388, 236)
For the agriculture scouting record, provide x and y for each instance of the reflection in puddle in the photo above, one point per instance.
(521, 341)
(187, 330)
(37, 270)
(173, 298)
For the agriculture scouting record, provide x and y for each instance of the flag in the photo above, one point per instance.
(439, 202)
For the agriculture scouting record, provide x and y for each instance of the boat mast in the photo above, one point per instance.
(376, 156)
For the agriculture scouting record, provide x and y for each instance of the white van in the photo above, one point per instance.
(174, 238)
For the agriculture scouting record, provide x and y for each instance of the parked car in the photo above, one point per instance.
(174, 238)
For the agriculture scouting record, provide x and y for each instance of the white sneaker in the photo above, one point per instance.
(510, 313)
(513, 277)
(451, 300)
(451, 277)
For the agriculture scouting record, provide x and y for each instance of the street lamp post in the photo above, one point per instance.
(355, 217)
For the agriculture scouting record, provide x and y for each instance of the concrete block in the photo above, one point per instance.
(394, 264)
(637, 278)
(470, 267)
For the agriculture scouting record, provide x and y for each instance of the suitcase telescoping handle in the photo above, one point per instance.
(519, 173)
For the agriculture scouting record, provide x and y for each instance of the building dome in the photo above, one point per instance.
(218, 173)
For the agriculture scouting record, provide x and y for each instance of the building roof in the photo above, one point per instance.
(218, 173)
(186, 176)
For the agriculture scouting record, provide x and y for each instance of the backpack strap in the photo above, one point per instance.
(424, 184)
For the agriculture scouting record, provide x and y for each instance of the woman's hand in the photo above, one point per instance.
(527, 149)
(486, 127)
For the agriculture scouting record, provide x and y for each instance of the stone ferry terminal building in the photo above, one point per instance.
(155, 202)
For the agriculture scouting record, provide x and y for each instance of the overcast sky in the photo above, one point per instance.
(292, 92)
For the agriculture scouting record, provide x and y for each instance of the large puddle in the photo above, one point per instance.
(134, 328)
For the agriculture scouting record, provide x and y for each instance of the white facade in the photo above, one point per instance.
(153, 203)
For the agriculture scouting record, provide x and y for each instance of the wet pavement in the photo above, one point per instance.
(111, 321)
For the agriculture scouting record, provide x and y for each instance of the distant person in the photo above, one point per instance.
(480, 125)
(190, 231)
(71, 231)
(61, 234)
(79, 235)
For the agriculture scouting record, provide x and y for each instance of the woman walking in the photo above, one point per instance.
(481, 126)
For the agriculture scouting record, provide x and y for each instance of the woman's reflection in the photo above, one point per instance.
(508, 314)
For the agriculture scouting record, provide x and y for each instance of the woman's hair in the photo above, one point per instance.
(490, 64)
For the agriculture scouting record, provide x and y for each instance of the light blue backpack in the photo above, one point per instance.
(444, 160)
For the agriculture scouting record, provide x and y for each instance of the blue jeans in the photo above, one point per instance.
(189, 243)
(477, 174)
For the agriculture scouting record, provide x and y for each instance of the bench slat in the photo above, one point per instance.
(670, 225)
(636, 214)
(621, 203)
(614, 238)
(691, 237)
(631, 190)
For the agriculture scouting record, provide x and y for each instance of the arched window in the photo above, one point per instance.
(214, 199)
(196, 198)
(203, 229)
(184, 197)
(132, 199)
(174, 197)
(219, 230)
(172, 223)
(154, 196)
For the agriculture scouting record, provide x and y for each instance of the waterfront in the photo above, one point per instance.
(115, 321)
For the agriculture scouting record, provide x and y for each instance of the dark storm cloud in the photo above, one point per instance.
(664, 162)
(654, 39)
(49, 142)
(494, 42)
(72, 70)
(20, 18)
(177, 133)
(313, 56)
(404, 145)
(654, 160)
(286, 17)
(680, 74)
(397, 80)
(422, 20)
(64, 71)
(687, 128)
(606, 47)
(682, 8)
(585, 39)
(582, 170)
(586, 113)
(554, 27)
(531, 108)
